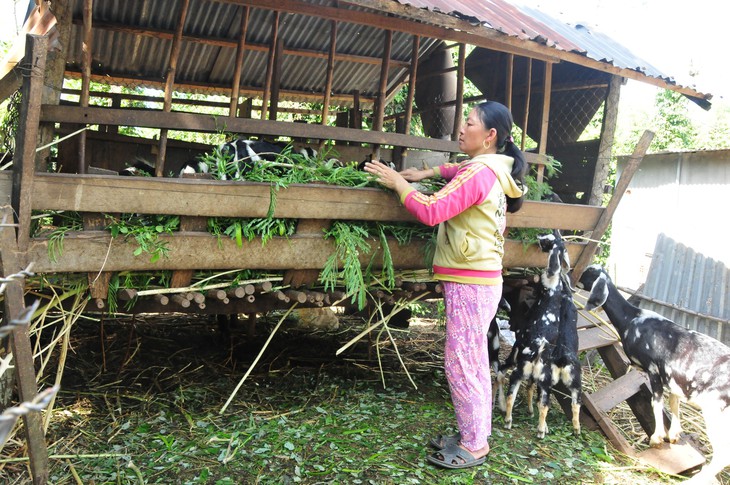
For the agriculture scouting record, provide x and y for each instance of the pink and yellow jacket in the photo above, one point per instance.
(471, 212)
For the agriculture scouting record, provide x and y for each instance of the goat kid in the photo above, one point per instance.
(551, 357)
(693, 366)
(246, 153)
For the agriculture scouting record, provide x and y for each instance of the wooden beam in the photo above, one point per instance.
(408, 113)
(330, 72)
(459, 93)
(542, 145)
(169, 83)
(382, 88)
(623, 183)
(34, 66)
(270, 64)
(608, 130)
(12, 262)
(526, 114)
(508, 80)
(240, 54)
(90, 251)
(276, 79)
(208, 123)
(217, 88)
(86, 48)
(219, 198)
(230, 44)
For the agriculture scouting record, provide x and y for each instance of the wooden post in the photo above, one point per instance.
(240, 53)
(21, 348)
(379, 114)
(25, 142)
(330, 72)
(85, 78)
(542, 146)
(276, 79)
(408, 115)
(528, 91)
(270, 64)
(508, 79)
(459, 108)
(608, 130)
(169, 82)
(623, 182)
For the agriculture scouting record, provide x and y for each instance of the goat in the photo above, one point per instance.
(140, 167)
(246, 153)
(694, 366)
(493, 336)
(552, 353)
(192, 167)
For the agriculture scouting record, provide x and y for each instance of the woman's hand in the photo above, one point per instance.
(386, 176)
(412, 174)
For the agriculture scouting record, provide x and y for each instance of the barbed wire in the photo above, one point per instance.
(21, 320)
(19, 276)
(9, 417)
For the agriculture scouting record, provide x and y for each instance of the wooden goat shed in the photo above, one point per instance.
(266, 59)
(265, 65)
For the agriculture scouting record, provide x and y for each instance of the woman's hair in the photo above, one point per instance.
(496, 115)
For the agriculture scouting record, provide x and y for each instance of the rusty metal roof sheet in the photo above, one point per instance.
(133, 41)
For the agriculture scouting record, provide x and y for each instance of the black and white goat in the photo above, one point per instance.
(140, 168)
(551, 356)
(694, 366)
(245, 153)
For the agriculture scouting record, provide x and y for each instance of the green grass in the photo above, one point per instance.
(146, 410)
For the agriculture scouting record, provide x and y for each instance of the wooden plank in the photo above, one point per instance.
(330, 72)
(207, 123)
(11, 262)
(609, 429)
(619, 390)
(270, 65)
(25, 142)
(219, 198)
(240, 54)
(595, 337)
(90, 251)
(673, 458)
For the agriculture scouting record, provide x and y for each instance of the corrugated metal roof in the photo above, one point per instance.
(523, 22)
(700, 286)
(133, 40)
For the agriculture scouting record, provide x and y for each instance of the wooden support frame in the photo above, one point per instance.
(36, 49)
(379, 113)
(270, 64)
(526, 114)
(86, 48)
(11, 262)
(459, 107)
(330, 72)
(608, 129)
(508, 76)
(169, 83)
(542, 146)
(240, 55)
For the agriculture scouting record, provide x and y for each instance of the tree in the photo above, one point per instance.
(674, 129)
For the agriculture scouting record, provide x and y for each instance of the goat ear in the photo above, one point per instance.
(599, 294)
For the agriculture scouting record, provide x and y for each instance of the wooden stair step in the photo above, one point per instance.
(672, 458)
(618, 390)
(594, 338)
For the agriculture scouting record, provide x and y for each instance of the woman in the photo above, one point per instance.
(471, 212)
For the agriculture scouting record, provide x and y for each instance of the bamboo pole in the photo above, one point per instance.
(240, 54)
(169, 82)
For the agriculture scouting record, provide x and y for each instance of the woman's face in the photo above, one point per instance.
(473, 136)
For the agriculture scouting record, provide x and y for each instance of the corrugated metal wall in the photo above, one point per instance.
(689, 288)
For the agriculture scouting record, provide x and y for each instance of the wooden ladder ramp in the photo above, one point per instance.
(628, 385)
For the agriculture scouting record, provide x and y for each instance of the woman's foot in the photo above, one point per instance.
(457, 456)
